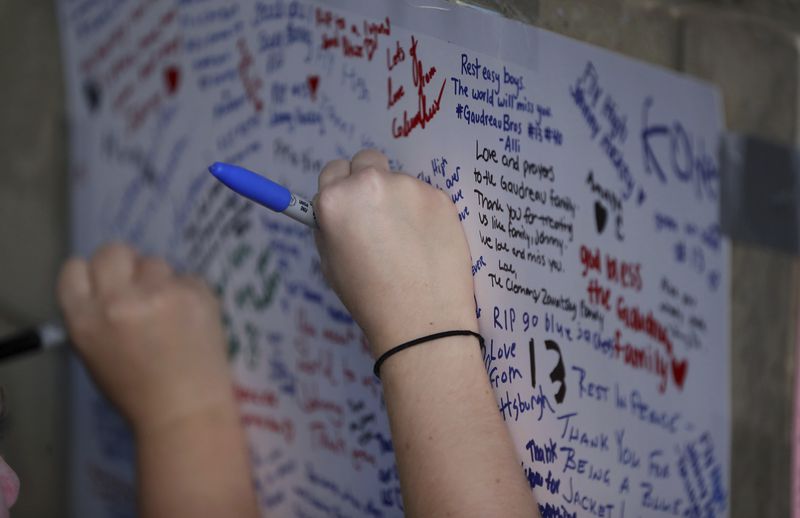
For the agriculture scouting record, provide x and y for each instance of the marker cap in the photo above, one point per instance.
(254, 186)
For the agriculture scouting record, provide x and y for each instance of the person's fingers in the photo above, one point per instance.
(197, 296)
(333, 171)
(197, 290)
(152, 271)
(369, 158)
(74, 285)
(112, 267)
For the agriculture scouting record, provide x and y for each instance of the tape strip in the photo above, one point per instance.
(760, 192)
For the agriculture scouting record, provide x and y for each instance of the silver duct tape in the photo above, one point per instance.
(760, 192)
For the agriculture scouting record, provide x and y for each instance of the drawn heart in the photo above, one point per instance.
(600, 216)
(313, 83)
(91, 91)
(172, 79)
(679, 372)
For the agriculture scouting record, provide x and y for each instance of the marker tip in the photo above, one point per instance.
(215, 169)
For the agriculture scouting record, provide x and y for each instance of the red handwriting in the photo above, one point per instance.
(322, 365)
(103, 50)
(636, 320)
(660, 361)
(172, 79)
(647, 359)
(311, 402)
(364, 345)
(304, 326)
(590, 260)
(361, 456)
(115, 38)
(329, 42)
(598, 294)
(255, 396)
(366, 48)
(326, 18)
(348, 373)
(651, 360)
(375, 28)
(626, 274)
(170, 47)
(313, 83)
(137, 114)
(354, 43)
(321, 439)
(395, 95)
(421, 77)
(140, 9)
(337, 338)
(109, 62)
(123, 97)
(284, 428)
(391, 62)
(251, 83)
(118, 67)
(398, 57)
(152, 35)
(315, 404)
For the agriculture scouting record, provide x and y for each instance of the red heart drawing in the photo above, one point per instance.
(679, 372)
(313, 83)
(172, 79)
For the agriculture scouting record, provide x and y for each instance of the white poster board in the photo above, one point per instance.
(587, 184)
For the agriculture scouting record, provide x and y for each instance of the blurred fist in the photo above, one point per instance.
(393, 249)
(151, 340)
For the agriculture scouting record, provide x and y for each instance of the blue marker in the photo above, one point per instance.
(264, 191)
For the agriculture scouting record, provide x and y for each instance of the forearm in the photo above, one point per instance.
(454, 453)
(197, 467)
(395, 252)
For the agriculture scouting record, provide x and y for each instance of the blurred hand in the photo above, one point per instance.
(151, 340)
(393, 249)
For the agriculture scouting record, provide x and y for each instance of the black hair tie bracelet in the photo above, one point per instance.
(417, 341)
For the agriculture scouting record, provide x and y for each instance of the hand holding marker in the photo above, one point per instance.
(265, 192)
(245, 182)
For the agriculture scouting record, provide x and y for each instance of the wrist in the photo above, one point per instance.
(204, 413)
(401, 331)
(422, 341)
(443, 360)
